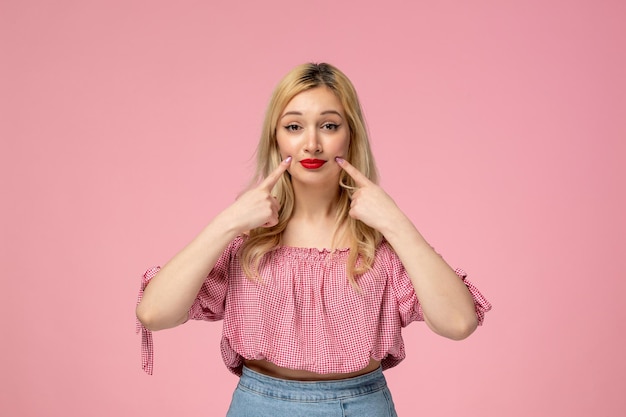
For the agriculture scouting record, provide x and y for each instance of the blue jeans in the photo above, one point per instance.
(259, 395)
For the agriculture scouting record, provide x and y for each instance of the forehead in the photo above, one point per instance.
(314, 101)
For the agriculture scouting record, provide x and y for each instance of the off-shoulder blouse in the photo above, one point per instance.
(304, 313)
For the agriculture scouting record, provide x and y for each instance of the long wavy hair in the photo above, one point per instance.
(362, 238)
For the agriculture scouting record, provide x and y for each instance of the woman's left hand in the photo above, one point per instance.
(370, 203)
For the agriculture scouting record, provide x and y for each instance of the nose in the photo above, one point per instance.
(312, 144)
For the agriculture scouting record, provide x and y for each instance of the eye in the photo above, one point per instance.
(330, 126)
(292, 127)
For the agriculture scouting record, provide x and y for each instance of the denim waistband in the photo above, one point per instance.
(313, 391)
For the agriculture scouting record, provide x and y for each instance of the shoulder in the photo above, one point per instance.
(237, 243)
(234, 246)
(386, 257)
(384, 249)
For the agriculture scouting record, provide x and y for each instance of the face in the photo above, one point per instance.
(313, 130)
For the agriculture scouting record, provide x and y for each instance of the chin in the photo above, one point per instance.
(314, 179)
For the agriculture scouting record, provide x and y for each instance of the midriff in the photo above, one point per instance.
(270, 369)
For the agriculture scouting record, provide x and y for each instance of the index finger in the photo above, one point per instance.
(270, 181)
(359, 179)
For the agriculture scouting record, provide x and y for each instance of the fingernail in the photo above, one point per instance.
(287, 160)
(339, 160)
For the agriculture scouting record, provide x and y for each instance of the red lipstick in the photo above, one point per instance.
(312, 163)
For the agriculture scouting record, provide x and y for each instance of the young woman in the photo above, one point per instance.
(314, 270)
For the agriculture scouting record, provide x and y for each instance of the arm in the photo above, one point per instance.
(445, 300)
(169, 295)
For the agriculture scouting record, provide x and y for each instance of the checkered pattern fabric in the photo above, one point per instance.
(304, 314)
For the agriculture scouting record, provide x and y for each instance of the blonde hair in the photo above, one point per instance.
(363, 239)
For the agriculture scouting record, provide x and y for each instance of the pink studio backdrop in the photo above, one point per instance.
(498, 127)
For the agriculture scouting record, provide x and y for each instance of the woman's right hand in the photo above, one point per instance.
(257, 207)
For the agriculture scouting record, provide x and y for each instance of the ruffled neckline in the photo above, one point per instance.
(298, 252)
(311, 253)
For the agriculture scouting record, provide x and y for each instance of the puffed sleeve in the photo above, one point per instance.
(147, 347)
(208, 305)
(481, 305)
(409, 306)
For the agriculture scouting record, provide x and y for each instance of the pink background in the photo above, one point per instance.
(499, 127)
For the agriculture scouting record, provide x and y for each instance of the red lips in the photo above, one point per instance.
(312, 163)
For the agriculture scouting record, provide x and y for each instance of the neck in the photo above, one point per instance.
(313, 221)
(315, 203)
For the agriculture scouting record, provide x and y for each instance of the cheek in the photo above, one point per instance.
(344, 147)
(282, 149)
(285, 144)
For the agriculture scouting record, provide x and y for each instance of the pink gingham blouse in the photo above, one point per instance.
(305, 314)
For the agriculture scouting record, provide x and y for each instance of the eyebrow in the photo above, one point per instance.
(297, 113)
